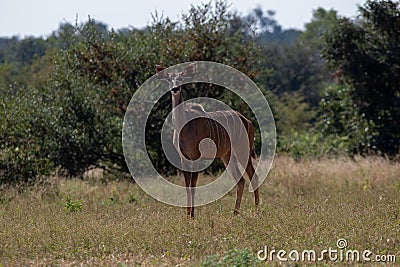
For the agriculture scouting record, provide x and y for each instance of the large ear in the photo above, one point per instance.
(190, 70)
(159, 73)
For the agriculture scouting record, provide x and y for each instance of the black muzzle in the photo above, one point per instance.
(175, 90)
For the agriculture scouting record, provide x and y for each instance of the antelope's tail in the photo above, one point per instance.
(253, 153)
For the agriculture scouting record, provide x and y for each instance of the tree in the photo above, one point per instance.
(270, 32)
(365, 56)
(296, 73)
(95, 77)
(321, 22)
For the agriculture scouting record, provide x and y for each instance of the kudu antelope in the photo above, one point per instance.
(187, 138)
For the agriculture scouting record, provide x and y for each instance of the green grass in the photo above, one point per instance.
(304, 205)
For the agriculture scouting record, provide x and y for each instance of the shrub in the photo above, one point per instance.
(95, 78)
(311, 144)
(365, 57)
(23, 147)
(234, 257)
(341, 120)
(72, 206)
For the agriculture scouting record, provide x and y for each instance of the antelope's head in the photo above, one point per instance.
(175, 79)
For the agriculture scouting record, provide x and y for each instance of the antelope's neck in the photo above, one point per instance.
(178, 114)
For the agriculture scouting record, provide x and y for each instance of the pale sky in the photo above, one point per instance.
(42, 17)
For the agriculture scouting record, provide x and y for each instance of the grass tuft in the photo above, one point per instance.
(72, 206)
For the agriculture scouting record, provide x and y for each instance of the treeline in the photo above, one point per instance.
(334, 88)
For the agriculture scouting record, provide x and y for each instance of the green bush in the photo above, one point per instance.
(71, 119)
(341, 120)
(94, 79)
(72, 206)
(23, 148)
(312, 144)
(64, 97)
(234, 257)
(365, 57)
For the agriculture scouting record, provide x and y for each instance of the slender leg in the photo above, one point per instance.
(193, 189)
(188, 176)
(253, 180)
(239, 193)
(235, 173)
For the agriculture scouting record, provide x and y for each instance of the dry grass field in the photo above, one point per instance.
(304, 205)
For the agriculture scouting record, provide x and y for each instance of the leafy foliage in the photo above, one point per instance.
(234, 257)
(64, 97)
(322, 22)
(292, 113)
(22, 148)
(342, 121)
(314, 144)
(88, 87)
(72, 206)
(366, 56)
